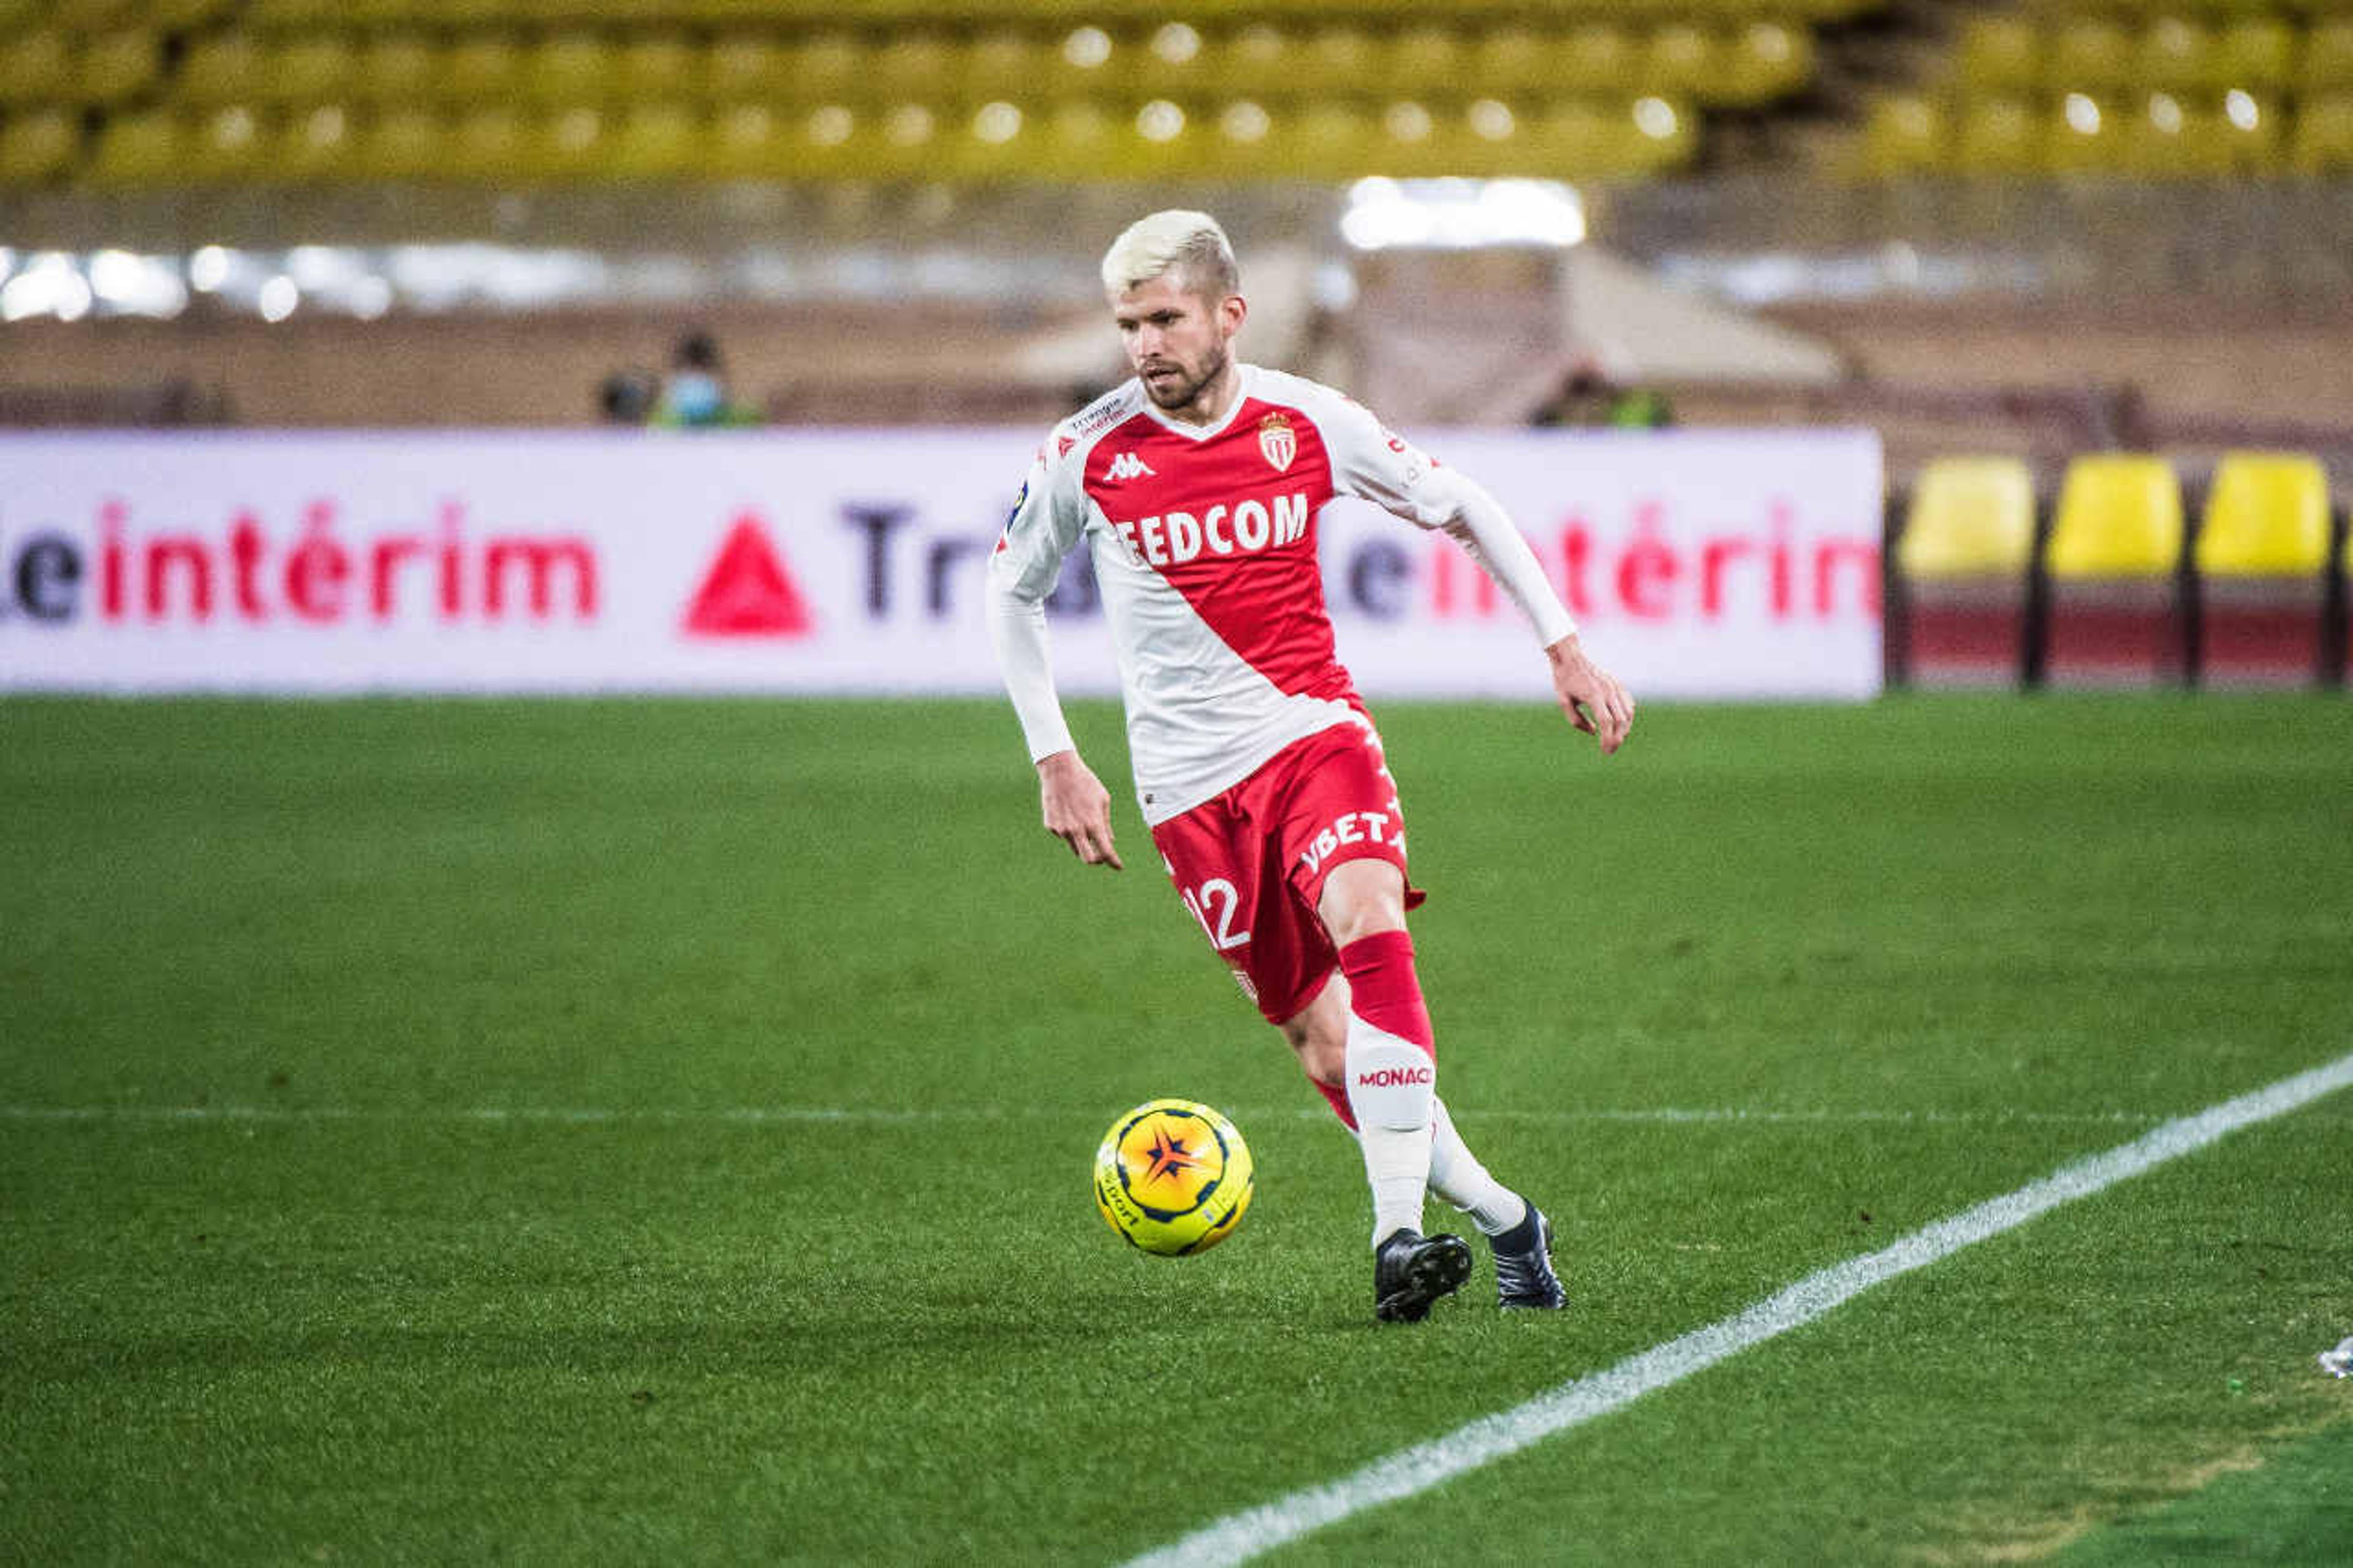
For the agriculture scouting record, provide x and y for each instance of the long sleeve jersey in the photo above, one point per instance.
(1203, 548)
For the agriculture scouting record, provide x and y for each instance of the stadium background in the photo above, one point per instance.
(445, 1130)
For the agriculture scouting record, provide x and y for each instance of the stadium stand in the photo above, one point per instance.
(2114, 610)
(1963, 554)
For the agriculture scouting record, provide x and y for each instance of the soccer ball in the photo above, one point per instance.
(1173, 1177)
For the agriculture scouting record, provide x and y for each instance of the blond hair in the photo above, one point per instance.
(1189, 243)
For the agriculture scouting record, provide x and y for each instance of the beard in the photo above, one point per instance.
(1184, 388)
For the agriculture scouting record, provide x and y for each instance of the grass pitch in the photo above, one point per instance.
(575, 1132)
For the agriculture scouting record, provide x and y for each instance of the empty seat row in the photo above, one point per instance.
(1750, 64)
(1001, 139)
(460, 13)
(2012, 53)
(2163, 135)
(2119, 587)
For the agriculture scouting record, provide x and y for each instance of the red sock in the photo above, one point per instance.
(1338, 1095)
(1383, 989)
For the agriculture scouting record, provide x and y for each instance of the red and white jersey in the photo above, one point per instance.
(1204, 547)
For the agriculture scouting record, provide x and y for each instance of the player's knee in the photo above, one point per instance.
(1319, 1036)
(1362, 898)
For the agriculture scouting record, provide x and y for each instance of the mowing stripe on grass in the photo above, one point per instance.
(589, 1115)
(1241, 1536)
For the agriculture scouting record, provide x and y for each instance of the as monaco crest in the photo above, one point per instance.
(1276, 441)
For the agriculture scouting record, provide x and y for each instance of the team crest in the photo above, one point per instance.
(1277, 442)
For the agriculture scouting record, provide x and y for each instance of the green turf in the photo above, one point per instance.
(2296, 1506)
(608, 1131)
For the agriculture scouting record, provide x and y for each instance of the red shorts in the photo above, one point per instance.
(1250, 864)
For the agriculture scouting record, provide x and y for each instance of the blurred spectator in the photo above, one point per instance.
(1588, 397)
(626, 397)
(695, 395)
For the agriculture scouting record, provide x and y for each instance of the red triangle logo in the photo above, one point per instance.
(747, 592)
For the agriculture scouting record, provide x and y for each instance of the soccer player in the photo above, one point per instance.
(1196, 485)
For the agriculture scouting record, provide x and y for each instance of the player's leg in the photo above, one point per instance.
(1363, 906)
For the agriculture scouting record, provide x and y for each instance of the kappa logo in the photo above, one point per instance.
(1127, 466)
(1277, 442)
(747, 592)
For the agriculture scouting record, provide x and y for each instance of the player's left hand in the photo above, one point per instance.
(1590, 696)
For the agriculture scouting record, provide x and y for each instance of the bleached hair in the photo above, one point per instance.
(1189, 243)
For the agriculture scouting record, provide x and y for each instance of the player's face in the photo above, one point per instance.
(1178, 342)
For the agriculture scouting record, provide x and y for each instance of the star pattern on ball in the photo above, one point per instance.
(1170, 1156)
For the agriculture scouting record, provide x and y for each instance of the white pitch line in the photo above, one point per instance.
(1239, 1537)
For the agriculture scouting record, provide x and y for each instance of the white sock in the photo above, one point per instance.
(1456, 1175)
(1391, 1089)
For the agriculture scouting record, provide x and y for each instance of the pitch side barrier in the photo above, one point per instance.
(1703, 564)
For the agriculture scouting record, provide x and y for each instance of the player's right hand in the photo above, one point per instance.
(1590, 696)
(1077, 808)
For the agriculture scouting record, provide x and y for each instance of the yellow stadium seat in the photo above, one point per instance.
(37, 145)
(2085, 135)
(1679, 58)
(1904, 133)
(2266, 516)
(747, 141)
(569, 144)
(114, 67)
(1998, 136)
(655, 141)
(738, 66)
(1343, 60)
(2263, 548)
(2253, 52)
(1245, 140)
(315, 67)
(404, 142)
(2089, 54)
(1569, 137)
(570, 67)
(1592, 57)
(2000, 54)
(1763, 62)
(1969, 517)
(1509, 57)
(915, 67)
(2327, 63)
(228, 144)
(37, 66)
(1330, 139)
(225, 68)
(2115, 612)
(321, 143)
(1959, 615)
(146, 147)
(828, 68)
(660, 67)
(1175, 60)
(2323, 142)
(92, 15)
(993, 142)
(1077, 141)
(1487, 141)
(488, 142)
(481, 68)
(397, 68)
(2119, 517)
(1087, 59)
(1652, 135)
(1005, 64)
(172, 15)
(2173, 53)
(1259, 59)
(1428, 58)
